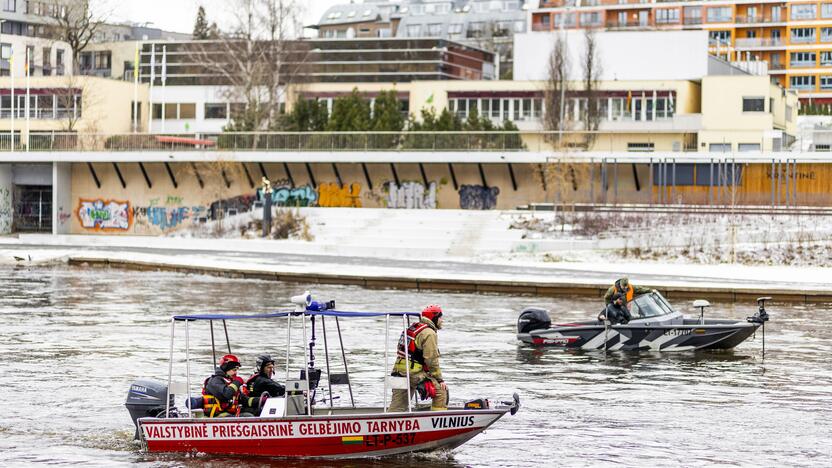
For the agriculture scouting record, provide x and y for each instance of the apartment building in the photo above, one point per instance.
(486, 24)
(793, 37)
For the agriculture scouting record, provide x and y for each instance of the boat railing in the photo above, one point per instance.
(310, 310)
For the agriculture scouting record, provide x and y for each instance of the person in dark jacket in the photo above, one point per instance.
(222, 394)
(616, 311)
(261, 382)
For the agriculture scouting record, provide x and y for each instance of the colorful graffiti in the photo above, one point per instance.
(5, 211)
(167, 218)
(105, 215)
(332, 195)
(411, 196)
(478, 197)
(300, 196)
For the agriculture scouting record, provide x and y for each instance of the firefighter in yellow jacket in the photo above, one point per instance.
(423, 356)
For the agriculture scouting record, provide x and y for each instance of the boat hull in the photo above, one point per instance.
(343, 436)
(643, 338)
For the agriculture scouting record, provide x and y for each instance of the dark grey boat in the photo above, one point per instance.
(655, 326)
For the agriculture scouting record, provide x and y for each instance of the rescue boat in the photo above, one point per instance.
(299, 424)
(655, 326)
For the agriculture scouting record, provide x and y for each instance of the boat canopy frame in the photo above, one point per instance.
(308, 353)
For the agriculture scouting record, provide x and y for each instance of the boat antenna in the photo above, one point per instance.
(761, 317)
(701, 304)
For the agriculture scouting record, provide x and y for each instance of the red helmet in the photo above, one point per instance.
(433, 312)
(229, 361)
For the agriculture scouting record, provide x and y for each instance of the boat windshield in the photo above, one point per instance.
(650, 305)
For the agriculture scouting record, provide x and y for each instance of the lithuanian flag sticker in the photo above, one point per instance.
(348, 440)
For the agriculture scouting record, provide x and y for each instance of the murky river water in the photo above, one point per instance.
(73, 339)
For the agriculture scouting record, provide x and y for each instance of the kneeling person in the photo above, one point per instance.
(423, 355)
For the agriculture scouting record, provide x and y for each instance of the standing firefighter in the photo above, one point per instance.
(423, 357)
(625, 289)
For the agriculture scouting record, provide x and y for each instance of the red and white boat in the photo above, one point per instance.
(297, 424)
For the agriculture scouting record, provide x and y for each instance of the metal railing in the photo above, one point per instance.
(654, 135)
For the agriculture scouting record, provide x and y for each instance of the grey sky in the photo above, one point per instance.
(178, 15)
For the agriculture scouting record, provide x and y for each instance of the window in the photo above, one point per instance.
(719, 147)
(5, 51)
(826, 34)
(745, 147)
(591, 18)
(665, 16)
(47, 61)
(187, 111)
(753, 104)
(59, 62)
(170, 111)
(455, 28)
(414, 30)
(803, 59)
(216, 110)
(826, 57)
(103, 60)
(569, 18)
(804, 11)
(693, 15)
(435, 29)
(802, 82)
(640, 147)
(10, 5)
(826, 10)
(826, 82)
(719, 15)
(476, 29)
(720, 37)
(803, 35)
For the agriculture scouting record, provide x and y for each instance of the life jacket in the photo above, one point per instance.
(249, 385)
(414, 354)
(629, 292)
(212, 406)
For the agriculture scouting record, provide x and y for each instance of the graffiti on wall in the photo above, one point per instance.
(5, 211)
(104, 215)
(167, 218)
(299, 196)
(332, 195)
(411, 195)
(478, 197)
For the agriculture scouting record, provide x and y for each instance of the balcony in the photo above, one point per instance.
(759, 19)
(803, 40)
(627, 24)
(803, 64)
(758, 42)
(693, 20)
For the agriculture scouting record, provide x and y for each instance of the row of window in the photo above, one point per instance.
(45, 68)
(809, 59)
(42, 106)
(475, 28)
(808, 82)
(524, 109)
(703, 174)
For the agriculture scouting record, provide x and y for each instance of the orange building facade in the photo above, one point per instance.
(793, 37)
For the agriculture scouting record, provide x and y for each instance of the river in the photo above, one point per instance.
(73, 338)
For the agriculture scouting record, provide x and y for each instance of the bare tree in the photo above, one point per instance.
(556, 90)
(591, 76)
(75, 23)
(257, 60)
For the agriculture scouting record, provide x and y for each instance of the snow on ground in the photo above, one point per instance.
(578, 248)
(680, 238)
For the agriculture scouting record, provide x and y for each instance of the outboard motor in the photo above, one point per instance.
(146, 398)
(533, 318)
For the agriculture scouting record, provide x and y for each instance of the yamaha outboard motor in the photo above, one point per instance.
(533, 318)
(146, 398)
